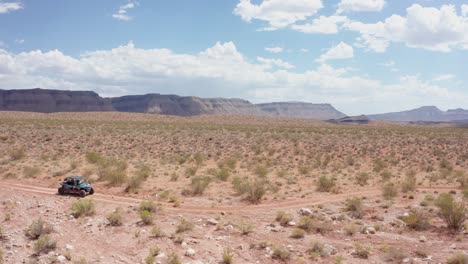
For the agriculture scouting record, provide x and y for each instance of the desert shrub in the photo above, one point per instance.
(395, 255)
(44, 244)
(37, 228)
(325, 184)
(150, 259)
(115, 218)
(350, 229)
(362, 178)
(83, 207)
(222, 174)
(241, 185)
(417, 220)
(445, 164)
(1, 256)
(191, 171)
(245, 228)
(354, 207)
(93, 157)
(458, 258)
(16, 154)
(157, 232)
(308, 224)
(389, 191)
(184, 225)
(362, 251)
(316, 249)
(197, 186)
(112, 170)
(280, 253)
(143, 171)
(134, 184)
(173, 259)
(148, 205)
(146, 217)
(297, 233)
(31, 172)
(227, 256)
(261, 171)
(409, 184)
(452, 212)
(386, 175)
(154, 251)
(283, 218)
(255, 191)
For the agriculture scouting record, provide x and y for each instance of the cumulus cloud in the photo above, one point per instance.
(122, 13)
(323, 25)
(423, 27)
(464, 9)
(340, 51)
(7, 7)
(444, 77)
(360, 5)
(274, 49)
(278, 13)
(220, 70)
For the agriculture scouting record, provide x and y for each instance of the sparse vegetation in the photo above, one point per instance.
(115, 218)
(37, 229)
(417, 220)
(83, 207)
(325, 184)
(280, 253)
(227, 256)
(146, 217)
(389, 191)
(44, 244)
(362, 251)
(354, 207)
(458, 258)
(173, 259)
(452, 212)
(184, 225)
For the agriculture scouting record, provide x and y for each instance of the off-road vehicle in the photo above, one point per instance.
(75, 185)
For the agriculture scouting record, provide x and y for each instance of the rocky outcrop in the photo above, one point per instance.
(183, 106)
(48, 101)
(361, 120)
(300, 110)
(425, 113)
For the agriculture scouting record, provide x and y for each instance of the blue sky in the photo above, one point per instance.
(362, 56)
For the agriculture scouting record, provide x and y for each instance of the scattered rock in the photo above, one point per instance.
(329, 249)
(371, 230)
(304, 211)
(190, 252)
(212, 221)
(291, 223)
(61, 259)
(422, 239)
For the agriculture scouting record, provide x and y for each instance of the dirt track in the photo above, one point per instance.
(244, 209)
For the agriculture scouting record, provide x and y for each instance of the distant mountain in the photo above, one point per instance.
(362, 120)
(300, 110)
(182, 106)
(425, 113)
(48, 101)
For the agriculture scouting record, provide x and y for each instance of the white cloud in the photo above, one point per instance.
(269, 63)
(340, 51)
(7, 7)
(278, 13)
(422, 27)
(220, 70)
(122, 13)
(19, 41)
(464, 9)
(274, 49)
(323, 24)
(360, 5)
(304, 50)
(444, 77)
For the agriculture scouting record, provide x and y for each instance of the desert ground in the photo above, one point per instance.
(230, 189)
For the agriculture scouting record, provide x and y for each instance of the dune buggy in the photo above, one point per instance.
(75, 185)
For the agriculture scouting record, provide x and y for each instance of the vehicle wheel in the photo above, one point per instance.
(61, 191)
(83, 193)
(91, 191)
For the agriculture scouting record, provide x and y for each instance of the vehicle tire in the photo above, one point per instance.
(91, 191)
(83, 193)
(61, 191)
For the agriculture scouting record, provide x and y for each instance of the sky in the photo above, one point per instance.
(361, 56)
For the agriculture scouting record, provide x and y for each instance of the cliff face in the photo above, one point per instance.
(300, 110)
(425, 113)
(182, 106)
(48, 101)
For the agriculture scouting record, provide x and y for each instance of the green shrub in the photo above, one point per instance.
(245, 228)
(198, 186)
(134, 184)
(146, 217)
(354, 207)
(395, 255)
(255, 191)
(386, 175)
(280, 253)
(113, 171)
(44, 244)
(261, 171)
(316, 249)
(83, 207)
(227, 256)
(173, 259)
(93, 157)
(148, 205)
(350, 229)
(223, 174)
(325, 184)
(452, 212)
(417, 220)
(409, 184)
(37, 229)
(157, 232)
(115, 218)
(362, 251)
(184, 225)
(458, 258)
(297, 233)
(389, 191)
(283, 218)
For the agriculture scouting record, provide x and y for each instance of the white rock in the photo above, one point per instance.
(61, 259)
(371, 230)
(291, 223)
(329, 249)
(69, 247)
(422, 239)
(212, 221)
(304, 211)
(190, 252)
